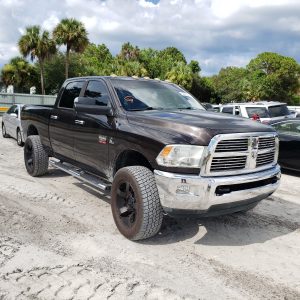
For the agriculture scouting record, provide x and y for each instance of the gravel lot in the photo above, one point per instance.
(58, 240)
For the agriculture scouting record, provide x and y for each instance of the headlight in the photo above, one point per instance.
(185, 156)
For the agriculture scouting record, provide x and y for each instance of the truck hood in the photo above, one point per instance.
(194, 126)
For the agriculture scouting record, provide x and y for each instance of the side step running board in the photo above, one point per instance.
(81, 175)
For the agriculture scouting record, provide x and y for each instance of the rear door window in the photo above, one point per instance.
(228, 110)
(260, 111)
(278, 111)
(71, 91)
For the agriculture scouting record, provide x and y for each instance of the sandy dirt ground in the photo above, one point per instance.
(58, 241)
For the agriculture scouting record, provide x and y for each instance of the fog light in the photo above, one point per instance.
(183, 189)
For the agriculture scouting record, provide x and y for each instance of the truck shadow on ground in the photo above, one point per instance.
(254, 226)
(291, 172)
(230, 230)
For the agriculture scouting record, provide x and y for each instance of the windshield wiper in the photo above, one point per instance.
(189, 107)
(146, 108)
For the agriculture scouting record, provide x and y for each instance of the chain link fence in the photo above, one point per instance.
(6, 100)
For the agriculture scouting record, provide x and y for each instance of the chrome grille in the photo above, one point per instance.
(232, 145)
(230, 154)
(265, 158)
(266, 142)
(228, 163)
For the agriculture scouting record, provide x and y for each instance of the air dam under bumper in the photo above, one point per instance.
(192, 194)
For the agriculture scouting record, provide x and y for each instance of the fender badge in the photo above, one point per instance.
(102, 139)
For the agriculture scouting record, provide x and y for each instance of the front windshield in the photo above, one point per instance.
(147, 95)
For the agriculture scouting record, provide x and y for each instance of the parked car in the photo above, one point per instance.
(154, 148)
(11, 124)
(207, 106)
(289, 145)
(264, 111)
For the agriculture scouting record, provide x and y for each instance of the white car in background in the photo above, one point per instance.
(11, 124)
(264, 111)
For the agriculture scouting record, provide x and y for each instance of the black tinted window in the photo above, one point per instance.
(278, 111)
(292, 128)
(97, 91)
(12, 109)
(227, 110)
(71, 91)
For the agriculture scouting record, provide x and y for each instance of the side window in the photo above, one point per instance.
(227, 110)
(284, 127)
(97, 91)
(71, 91)
(292, 128)
(12, 109)
(17, 111)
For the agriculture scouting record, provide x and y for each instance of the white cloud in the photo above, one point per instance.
(50, 22)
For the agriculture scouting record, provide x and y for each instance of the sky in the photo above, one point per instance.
(217, 33)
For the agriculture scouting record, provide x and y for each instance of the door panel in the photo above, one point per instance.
(289, 150)
(61, 131)
(62, 121)
(9, 120)
(92, 136)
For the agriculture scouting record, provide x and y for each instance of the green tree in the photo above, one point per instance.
(37, 44)
(19, 73)
(272, 77)
(182, 75)
(151, 60)
(202, 88)
(168, 59)
(97, 60)
(55, 71)
(8, 74)
(130, 68)
(229, 84)
(73, 35)
(194, 66)
(129, 52)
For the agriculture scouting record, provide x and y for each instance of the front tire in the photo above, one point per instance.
(35, 156)
(135, 203)
(19, 138)
(4, 134)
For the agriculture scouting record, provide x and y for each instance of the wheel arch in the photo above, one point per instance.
(131, 158)
(32, 130)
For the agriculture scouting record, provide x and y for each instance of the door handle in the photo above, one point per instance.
(54, 117)
(80, 122)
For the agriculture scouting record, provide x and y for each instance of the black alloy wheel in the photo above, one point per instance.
(126, 204)
(135, 203)
(28, 155)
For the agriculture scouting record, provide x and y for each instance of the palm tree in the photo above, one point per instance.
(73, 34)
(18, 72)
(37, 44)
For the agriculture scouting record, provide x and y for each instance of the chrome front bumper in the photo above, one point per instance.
(199, 193)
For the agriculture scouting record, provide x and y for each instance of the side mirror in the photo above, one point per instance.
(14, 115)
(90, 106)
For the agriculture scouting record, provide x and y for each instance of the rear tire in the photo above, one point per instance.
(4, 134)
(35, 156)
(135, 203)
(19, 138)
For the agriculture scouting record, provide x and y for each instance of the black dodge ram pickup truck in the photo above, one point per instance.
(154, 148)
